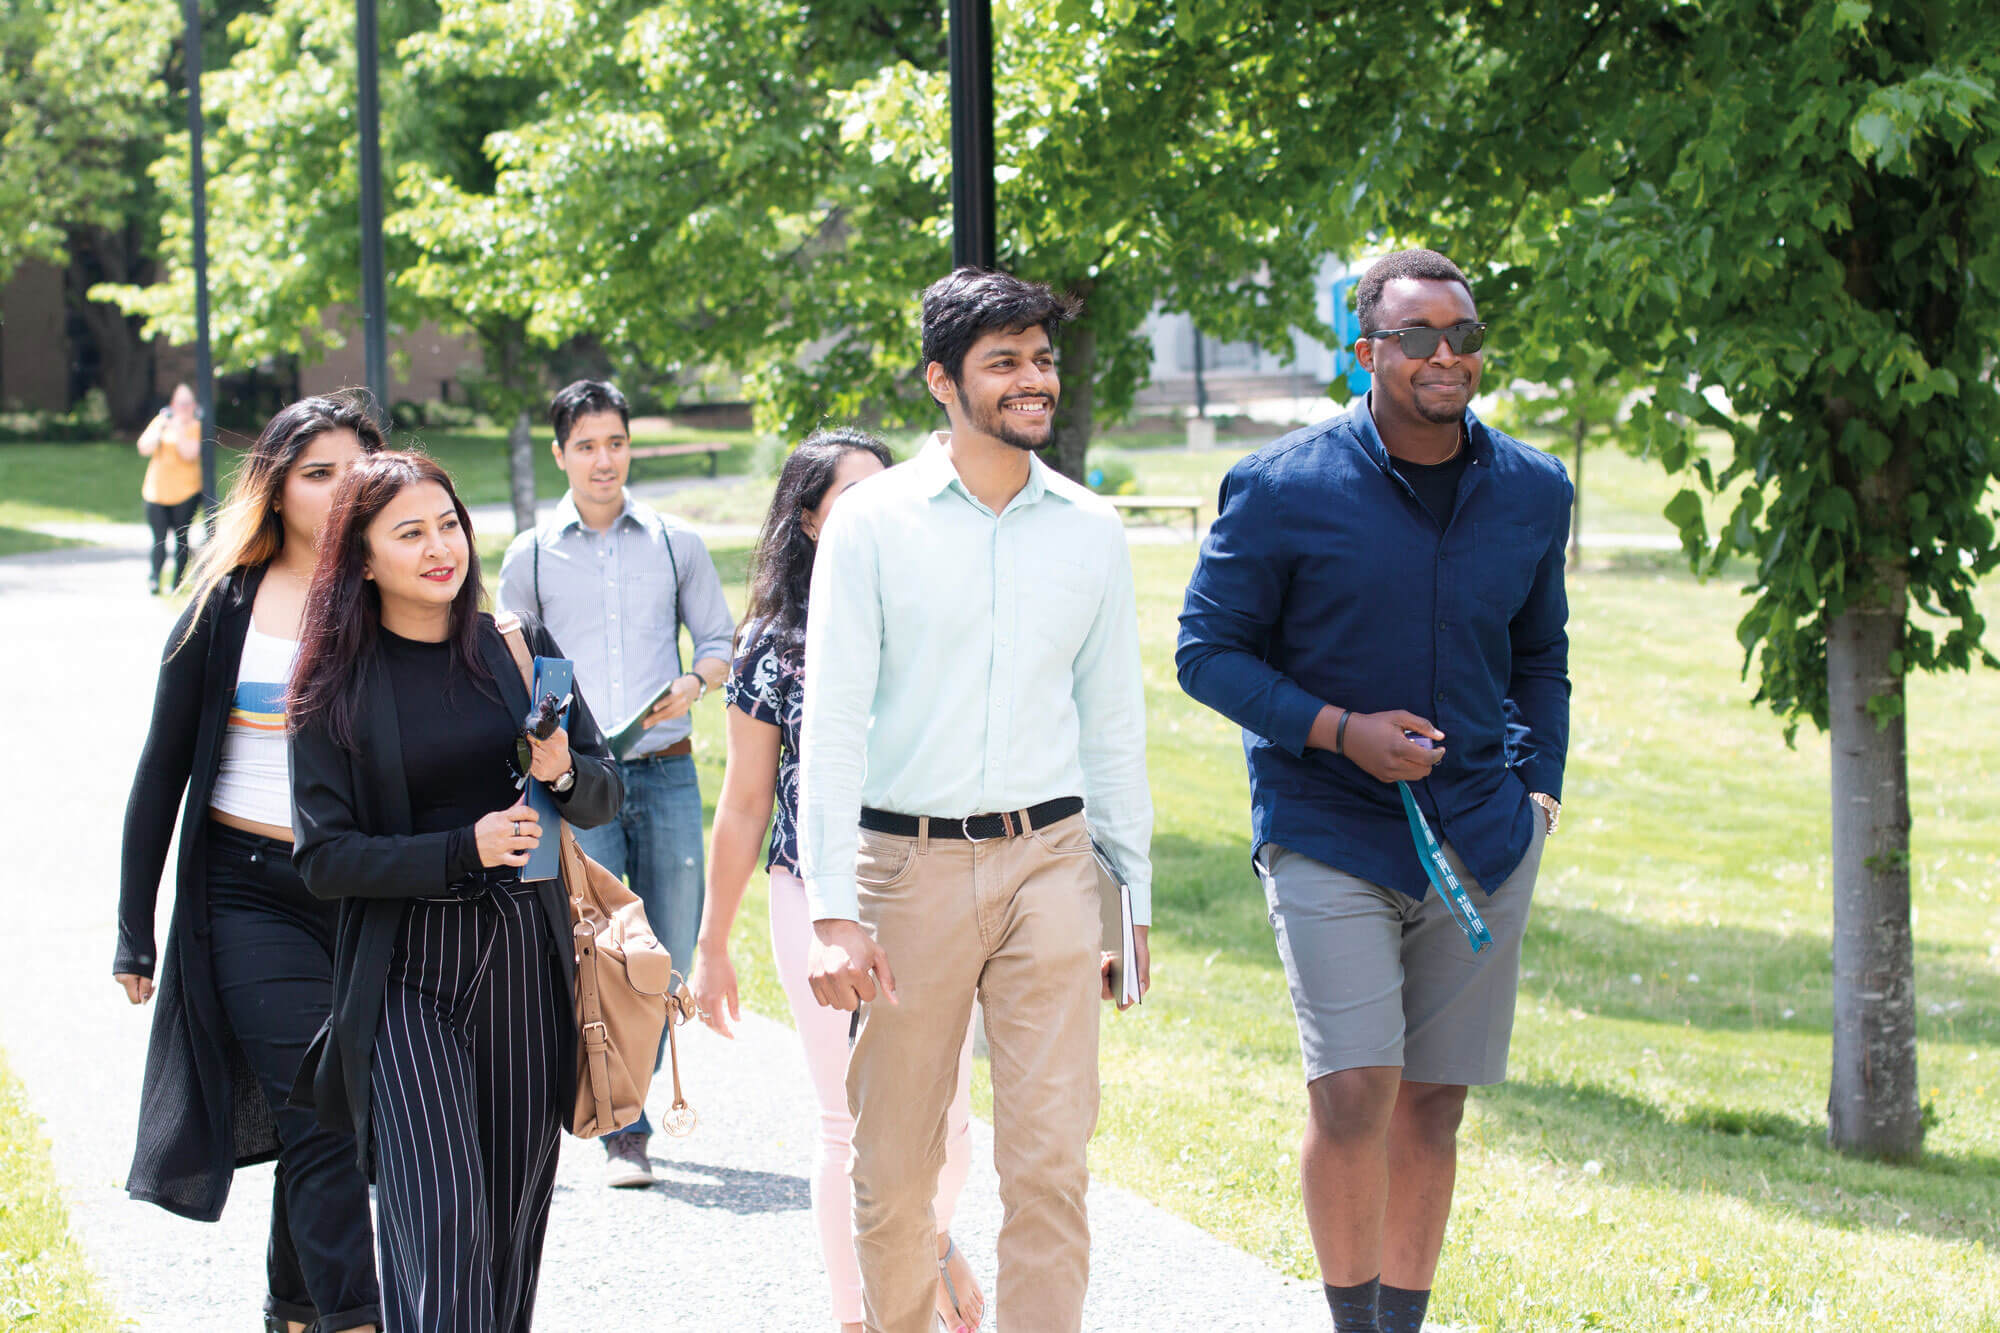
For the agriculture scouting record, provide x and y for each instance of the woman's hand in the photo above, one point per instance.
(137, 989)
(552, 756)
(713, 987)
(505, 837)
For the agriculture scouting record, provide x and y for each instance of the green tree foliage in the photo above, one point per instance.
(82, 101)
(766, 183)
(1796, 205)
(85, 103)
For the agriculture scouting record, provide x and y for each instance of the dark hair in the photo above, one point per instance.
(968, 303)
(781, 567)
(1425, 264)
(580, 400)
(344, 609)
(248, 531)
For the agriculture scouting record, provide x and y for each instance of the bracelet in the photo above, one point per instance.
(1340, 732)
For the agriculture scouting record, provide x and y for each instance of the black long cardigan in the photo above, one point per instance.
(351, 815)
(201, 1111)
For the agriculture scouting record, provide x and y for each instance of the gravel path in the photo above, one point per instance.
(725, 1243)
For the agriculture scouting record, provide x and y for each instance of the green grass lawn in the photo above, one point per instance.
(1655, 1161)
(44, 1282)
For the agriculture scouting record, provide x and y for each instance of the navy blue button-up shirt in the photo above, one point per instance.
(1325, 580)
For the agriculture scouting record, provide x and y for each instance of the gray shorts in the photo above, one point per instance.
(1380, 979)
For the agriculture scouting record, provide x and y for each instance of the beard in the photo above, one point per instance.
(1003, 426)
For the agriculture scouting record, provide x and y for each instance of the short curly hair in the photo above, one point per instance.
(1425, 264)
(968, 303)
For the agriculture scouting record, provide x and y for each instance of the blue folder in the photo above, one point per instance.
(553, 675)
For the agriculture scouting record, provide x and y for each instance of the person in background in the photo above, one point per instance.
(974, 715)
(451, 1052)
(760, 789)
(247, 977)
(1380, 602)
(172, 488)
(614, 580)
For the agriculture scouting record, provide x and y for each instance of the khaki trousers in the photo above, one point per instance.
(1015, 919)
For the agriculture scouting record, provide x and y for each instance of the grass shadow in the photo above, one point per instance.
(1766, 1159)
(1748, 979)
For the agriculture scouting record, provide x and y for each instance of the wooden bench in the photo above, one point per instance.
(1142, 504)
(715, 449)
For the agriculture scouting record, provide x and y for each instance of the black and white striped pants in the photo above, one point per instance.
(464, 1112)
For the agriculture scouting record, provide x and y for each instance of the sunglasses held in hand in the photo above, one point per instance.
(541, 723)
(1420, 342)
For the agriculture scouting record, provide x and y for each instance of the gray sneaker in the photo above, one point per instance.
(625, 1164)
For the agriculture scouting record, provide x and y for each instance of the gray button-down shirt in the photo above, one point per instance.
(611, 598)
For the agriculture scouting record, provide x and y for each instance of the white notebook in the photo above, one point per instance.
(1115, 913)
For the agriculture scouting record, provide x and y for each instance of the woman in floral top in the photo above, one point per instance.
(761, 783)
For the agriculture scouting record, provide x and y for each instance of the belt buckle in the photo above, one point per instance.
(965, 827)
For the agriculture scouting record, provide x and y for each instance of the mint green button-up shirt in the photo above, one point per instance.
(962, 662)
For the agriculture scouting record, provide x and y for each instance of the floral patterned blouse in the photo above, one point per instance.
(768, 685)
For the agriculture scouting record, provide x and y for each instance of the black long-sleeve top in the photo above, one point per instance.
(358, 842)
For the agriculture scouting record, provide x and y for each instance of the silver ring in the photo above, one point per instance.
(517, 828)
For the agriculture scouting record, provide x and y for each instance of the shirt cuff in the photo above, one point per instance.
(1142, 903)
(461, 855)
(1542, 775)
(1294, 711)
(833, 898)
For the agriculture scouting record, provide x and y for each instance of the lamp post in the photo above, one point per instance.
(969, 51)
(204, 365)
(374, 296)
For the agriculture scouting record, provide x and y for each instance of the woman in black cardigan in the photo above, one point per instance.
(247, 977)
(451, 1050)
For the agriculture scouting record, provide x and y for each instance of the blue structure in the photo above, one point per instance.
(1347, 328)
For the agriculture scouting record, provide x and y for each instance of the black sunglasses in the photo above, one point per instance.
(540, 723)
(1421, 342)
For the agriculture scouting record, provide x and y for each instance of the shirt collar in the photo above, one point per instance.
(1476, 443)
(935, 473)
(567, 517)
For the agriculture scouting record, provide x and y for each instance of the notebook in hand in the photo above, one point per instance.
(621, 741)
(553, 675)
(1115, 914)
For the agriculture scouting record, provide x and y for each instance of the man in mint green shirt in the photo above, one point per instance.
(974, 715)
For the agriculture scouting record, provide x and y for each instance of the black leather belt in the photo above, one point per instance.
(975, 828)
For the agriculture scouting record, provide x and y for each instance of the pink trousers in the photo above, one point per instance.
(823, 1032)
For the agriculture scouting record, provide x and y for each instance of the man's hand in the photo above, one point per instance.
(676, 701)
(839, 964)
(1142, 959)
(1375, 741)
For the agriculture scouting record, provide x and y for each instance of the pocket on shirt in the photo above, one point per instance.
(1503, 562)
(881, 862)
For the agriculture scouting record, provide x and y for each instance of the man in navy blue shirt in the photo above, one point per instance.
(1380, 601)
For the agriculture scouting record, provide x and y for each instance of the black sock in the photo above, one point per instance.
(1402, 1311)
(1353, 1307)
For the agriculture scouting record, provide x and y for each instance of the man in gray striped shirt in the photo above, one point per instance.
(614, 580)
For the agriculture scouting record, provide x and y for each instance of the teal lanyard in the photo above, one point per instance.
(1456, 900)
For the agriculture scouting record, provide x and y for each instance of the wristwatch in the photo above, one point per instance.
(1550, 806)
(562, 784)
(701, 681)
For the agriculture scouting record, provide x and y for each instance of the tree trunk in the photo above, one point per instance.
(1074, 415)
(1872, 1109)
(521, 471)
(124, 355)
(1581, 429)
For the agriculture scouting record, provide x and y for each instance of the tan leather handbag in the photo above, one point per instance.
(624, 984)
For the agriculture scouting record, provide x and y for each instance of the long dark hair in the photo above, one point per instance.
(781, 567)
(248, 531)
(343, 615)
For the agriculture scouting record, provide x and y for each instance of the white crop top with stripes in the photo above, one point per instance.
(255, 782)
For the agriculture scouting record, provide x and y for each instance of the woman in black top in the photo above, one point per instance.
(247, 977)
(451, 1050)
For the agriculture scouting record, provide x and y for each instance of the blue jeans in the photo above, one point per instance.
(655, 845)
